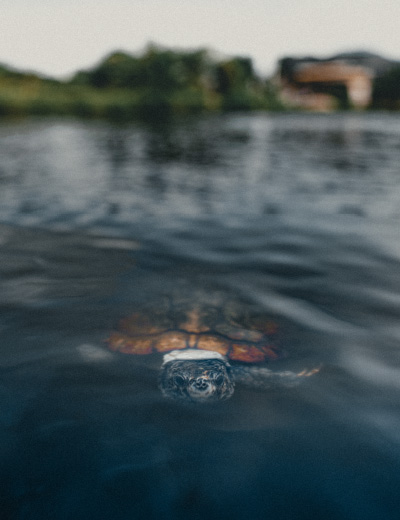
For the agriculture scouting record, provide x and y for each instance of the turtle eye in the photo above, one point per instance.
(179, 381)
(219, 380)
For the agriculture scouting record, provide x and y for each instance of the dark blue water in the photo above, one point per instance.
(296, 217)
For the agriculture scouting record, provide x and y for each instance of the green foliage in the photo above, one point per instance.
(272, 98)
(188, 101)
(6, 108)
(234, 75)
(119, 70)
(156, 84)
(157, 69)
(386, 91)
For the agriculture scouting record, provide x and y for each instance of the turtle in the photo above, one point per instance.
(206, 350)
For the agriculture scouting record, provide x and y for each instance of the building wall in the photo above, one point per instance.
(302, 89)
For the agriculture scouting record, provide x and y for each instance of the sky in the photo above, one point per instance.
(59, 37)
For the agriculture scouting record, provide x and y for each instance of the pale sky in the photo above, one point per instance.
(59, 37)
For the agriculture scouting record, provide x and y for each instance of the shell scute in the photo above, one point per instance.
(203, 329)
(271, 352)
(143, 324)
(172, 340)
(194, 323)
(130, 345)
(247, 353)
(214, 343)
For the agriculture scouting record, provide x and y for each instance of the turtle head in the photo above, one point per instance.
(202, 380)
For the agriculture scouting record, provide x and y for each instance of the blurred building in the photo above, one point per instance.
(343, 81)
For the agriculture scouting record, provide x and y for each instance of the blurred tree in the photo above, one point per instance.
(155, 84)
(161, 70)
(195, 66)
(158, 69)
(386, 90)
(239, 86)
(119, 70)
(235, 74)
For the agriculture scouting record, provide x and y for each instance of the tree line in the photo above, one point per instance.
(156, 83)
(123, 85)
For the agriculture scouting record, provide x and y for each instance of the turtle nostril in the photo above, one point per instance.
(201, 383)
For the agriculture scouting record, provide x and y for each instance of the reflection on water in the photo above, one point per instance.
(295, 217)
(236, 167)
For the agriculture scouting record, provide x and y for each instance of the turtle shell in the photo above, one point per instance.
(143, 334)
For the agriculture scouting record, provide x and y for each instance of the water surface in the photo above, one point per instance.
(296, 217)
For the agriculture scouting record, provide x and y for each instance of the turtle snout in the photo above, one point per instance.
(201, 388)
(201, 383)
(198, 381)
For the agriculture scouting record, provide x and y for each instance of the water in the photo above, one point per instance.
(296, 217)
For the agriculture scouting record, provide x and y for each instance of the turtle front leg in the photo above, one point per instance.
(308, 373)
(262, 377)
